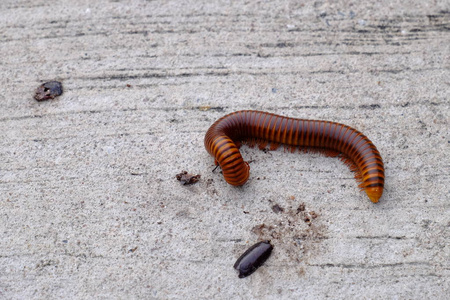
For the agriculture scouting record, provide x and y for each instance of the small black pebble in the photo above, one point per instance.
(253, 258)
(277, 209)
(48, 90)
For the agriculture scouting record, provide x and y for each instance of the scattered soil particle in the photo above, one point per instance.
(277, 209)
(261, 229)
(301, 207)
(307, 220)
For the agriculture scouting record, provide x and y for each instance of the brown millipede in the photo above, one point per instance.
(223, 139)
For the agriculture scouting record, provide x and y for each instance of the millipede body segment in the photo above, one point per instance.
(224, 137)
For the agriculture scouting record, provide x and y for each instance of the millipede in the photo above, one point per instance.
(224, 138)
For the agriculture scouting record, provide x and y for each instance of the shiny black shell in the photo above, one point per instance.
(253, 258)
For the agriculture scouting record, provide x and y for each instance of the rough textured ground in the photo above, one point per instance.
(89, 203)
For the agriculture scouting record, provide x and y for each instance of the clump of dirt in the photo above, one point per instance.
(187, 178)
(48, 90)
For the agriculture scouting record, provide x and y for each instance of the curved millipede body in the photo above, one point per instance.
(223, 138)
(253, 258)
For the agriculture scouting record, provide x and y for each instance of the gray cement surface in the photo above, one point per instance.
(89, 204)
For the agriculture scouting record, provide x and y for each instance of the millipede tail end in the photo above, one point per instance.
(374, 193)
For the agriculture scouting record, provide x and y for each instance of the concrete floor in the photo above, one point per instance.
(89, 203)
